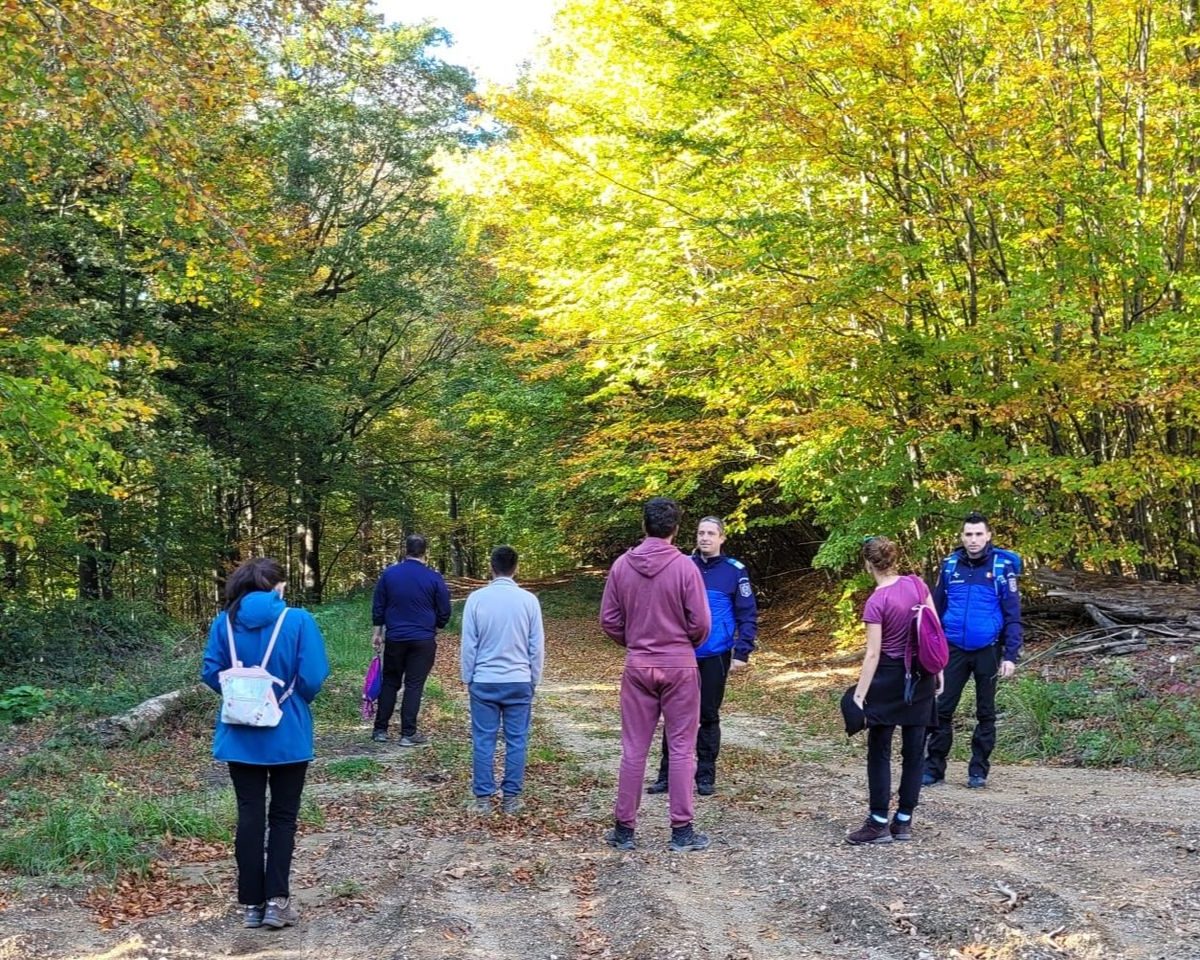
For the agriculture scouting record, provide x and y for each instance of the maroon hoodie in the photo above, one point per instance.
(655, 606)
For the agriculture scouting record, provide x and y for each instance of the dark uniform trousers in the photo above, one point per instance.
(712, 671)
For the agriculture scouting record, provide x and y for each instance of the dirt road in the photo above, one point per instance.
(1044, 863)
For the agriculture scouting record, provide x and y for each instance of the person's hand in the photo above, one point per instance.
(1007, 669)
(940, 684)
(736, 666)
(859, 699)
(377, 644)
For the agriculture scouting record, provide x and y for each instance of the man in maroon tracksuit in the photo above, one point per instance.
(655, 606)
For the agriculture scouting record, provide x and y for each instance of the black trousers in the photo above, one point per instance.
(879, 767)
(713, 671)
(259, 880)
(984, 666)
(406, 663)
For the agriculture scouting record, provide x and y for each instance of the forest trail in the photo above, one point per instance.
(1044, 863)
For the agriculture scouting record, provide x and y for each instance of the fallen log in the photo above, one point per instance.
(142, 721)
(1121, 600)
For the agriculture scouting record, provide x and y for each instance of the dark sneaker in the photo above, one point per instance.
(280, 913)
(511, 805)
(620, 838)
(658, 786)
(482, 805)
(254, 915)
(687, 839)
(379, 736)
(976, 781)
(417, 739)
(901, 829)
(931, 780)
(706, 788)
(872, 831)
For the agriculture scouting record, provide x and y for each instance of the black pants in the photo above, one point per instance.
(879, 767)
(406, 663)
(259, 882)
(713, 671)
(984, 666)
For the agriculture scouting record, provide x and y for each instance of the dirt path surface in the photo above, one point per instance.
(1044, 863)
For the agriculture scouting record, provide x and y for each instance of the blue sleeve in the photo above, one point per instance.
(378, 603)
(312, 665)
(216, 656)
(442, 601)
(1013, 631)
(745, 616)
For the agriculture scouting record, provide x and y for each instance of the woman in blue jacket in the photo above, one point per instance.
(267, 757)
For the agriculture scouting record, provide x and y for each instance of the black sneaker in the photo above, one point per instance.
(658, 786)
(379, 736)
(901, 829)
(931, 780)
(417, 739)
(280, 913)
(254, 915)
(872, 831)
(620, 838)
(687, 840)
(976, 781)
(706, 788)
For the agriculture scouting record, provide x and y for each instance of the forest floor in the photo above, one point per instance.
(1046, 862)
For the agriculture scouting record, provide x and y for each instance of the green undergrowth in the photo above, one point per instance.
(577, 599)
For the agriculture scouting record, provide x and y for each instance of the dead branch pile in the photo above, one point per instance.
(1129, 615)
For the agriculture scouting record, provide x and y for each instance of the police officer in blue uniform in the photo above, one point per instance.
(727, 647)
(977, 597)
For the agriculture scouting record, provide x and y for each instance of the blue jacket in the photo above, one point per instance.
(299, 656)
(978, 600)
(731, 600)
(411, 600)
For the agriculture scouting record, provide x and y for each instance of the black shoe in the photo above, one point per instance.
(901, 829)
(620, 838)
(931, 780)
(976, 781)
(658, 786)
(706, 788)
(687, 840)
(417, 739)
(280, 913)
(872, 831)
(254, 915)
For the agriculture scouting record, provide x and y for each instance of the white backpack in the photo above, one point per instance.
(248, 693)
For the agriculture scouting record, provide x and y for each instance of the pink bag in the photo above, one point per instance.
(371, 684)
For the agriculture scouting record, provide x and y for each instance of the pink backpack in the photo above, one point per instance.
(372, 683)
(933, 652)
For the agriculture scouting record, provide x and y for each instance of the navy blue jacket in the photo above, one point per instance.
(731, 600)
(411, 601)
(978, 600)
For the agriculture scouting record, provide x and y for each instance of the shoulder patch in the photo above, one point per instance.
(744, 588)
(736, 563)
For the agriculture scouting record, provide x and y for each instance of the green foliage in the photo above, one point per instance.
(22, 703)
(354, 769)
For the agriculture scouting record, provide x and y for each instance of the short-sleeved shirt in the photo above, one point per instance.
(892, 608)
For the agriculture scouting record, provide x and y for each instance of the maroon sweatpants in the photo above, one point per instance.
(645, 693)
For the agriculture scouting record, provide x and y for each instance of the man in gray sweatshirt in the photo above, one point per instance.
(503, 649)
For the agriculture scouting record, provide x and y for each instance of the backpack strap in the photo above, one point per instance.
(274, 637)
(233, 657)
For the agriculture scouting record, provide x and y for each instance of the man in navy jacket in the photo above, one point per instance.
(727, 647)
(977, 597)
(411, 602)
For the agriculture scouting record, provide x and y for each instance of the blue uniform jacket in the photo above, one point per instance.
(731, 600)
(411, 601)
(978, 600)
(299, 656)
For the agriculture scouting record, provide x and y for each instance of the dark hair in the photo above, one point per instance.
(415, 545)
(976, 517)
(881, 553)
(261, 573)
(504, 561)
(661, 516)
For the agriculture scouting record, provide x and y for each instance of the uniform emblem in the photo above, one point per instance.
(744, 588)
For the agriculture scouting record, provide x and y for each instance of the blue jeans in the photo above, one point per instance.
(493, 704)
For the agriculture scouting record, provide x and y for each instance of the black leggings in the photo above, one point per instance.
(259, 882)
(879, 767)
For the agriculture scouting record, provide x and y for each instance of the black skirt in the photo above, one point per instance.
(885, 706)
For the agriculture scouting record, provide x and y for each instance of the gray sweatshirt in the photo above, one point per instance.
(502, 637)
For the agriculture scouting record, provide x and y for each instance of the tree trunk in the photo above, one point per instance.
(309, 532)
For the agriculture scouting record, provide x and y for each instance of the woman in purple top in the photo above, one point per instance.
(881, 694)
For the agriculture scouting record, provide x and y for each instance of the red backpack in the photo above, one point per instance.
(933, 652)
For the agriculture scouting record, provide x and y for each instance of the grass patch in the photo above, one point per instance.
(354, 770)
(576, 600)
